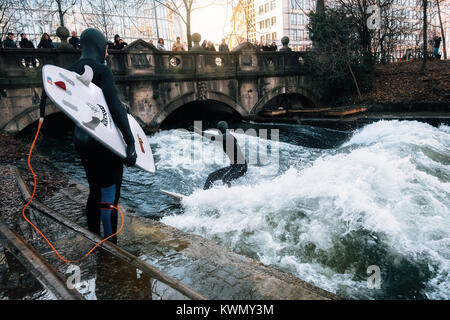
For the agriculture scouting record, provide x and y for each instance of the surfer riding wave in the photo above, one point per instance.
(238, 164)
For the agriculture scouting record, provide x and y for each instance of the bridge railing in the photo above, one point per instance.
(24, 65)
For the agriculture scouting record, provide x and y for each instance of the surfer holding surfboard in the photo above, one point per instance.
(104, 168)
(238, 164)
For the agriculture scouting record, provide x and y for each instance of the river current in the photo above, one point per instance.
(327, 206)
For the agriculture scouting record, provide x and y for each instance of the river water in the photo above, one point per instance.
(321, 204)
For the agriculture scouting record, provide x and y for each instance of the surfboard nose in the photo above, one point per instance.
(87, 76)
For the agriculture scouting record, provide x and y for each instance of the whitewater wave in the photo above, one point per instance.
(381, 198)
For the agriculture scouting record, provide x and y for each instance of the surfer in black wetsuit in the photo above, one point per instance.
(103, 168)
(238, 165)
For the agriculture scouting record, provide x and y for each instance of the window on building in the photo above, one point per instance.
(261, 39)
(294, 34)
(267, 23)
(274, 21)
(266, 7)
(293, 4)
(274, 36)
(261, 9)
(268, 37)
(273, 5)
(294, 19)
(300, 19)
(261, 24)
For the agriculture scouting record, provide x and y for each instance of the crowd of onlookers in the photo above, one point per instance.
(118, 43)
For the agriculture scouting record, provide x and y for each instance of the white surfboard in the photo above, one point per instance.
(84, 103)
(175, 195)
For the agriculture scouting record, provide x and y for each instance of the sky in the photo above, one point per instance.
(211, 22)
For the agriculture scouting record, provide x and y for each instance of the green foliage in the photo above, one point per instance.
(336, 52)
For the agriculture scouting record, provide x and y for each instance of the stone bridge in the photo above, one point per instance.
(157, 83)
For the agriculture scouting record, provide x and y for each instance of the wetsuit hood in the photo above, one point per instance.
(93, 45)
(222, 126)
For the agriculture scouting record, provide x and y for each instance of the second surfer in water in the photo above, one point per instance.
(103, 168)
(238, 164)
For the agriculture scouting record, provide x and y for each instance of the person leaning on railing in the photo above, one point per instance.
(27, 44)
(45, 42)
(9, 41)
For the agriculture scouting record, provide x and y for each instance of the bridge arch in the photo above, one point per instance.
(307, 93)
(27, 117)
(191, 97)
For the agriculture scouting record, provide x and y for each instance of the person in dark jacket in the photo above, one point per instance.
(9, 41)
(27, 44)
(104, 169)
(224, 47)
(273, 46)
(45, 42)
(436, 45)
(119, 43)
(74, 40)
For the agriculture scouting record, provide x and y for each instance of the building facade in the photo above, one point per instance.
(274, 19)
(132, 19)
(242, 23)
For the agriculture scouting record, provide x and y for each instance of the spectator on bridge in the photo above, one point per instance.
(119, 43)
(75, 41)
(257, 45)
(27, 44)
(437, 44)
(210, 46)
(178, 46)
(160, 45)
(45, 42)
(266, 47)
(273, 46)
(223, 46)
(152, 46)
(9, 41)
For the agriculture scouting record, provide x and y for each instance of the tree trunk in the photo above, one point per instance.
(60, 12)
(188, 28)
(442, 30)
(425, 24)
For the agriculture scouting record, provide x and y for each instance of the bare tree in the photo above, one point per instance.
(99, 14)
(184, 9)
(442, 27)
(62, 6)
(8, 9)
(425, 38)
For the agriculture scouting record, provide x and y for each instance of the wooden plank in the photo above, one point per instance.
(273, 113)
(115, 250)
(308, 110)
(345, 112)
(50, 278)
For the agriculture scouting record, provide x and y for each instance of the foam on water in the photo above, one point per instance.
(382, 198)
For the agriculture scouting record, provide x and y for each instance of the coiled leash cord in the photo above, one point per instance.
(41, 120)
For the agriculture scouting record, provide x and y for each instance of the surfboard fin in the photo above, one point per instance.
(87, 76)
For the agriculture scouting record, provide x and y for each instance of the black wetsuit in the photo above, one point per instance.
(237, 167)
(104, 169)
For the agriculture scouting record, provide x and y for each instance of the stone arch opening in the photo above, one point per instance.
(283, 98)
(55, 125)
(208, 111)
